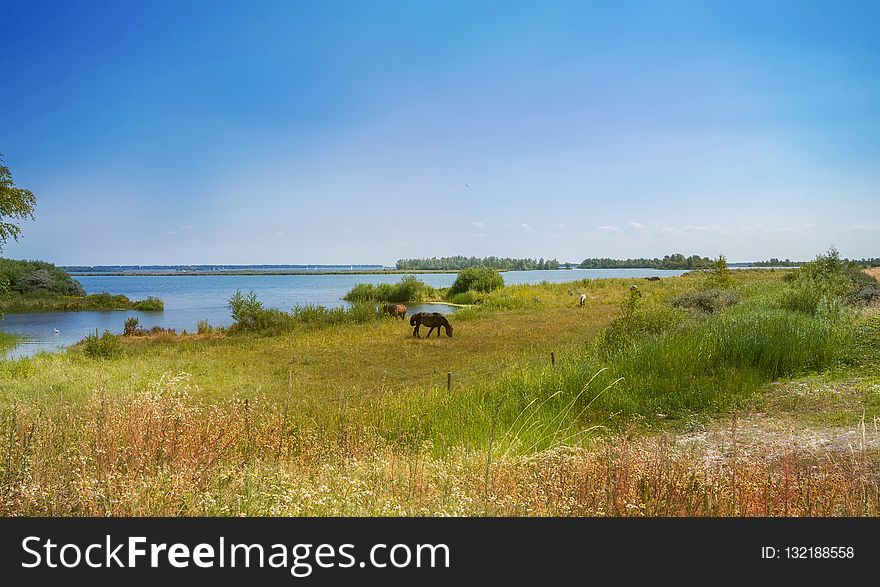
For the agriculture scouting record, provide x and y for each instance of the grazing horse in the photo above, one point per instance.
(583, 299)
(396, 310)
(432, 319)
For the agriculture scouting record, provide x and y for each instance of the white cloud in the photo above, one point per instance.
(607, 228)
(712, 228)
(559, 226)
(478, 224)
(526, 227)
(187, 227)
(635, 226)
(279, 233)
(169, 232)
(479, 235)
(665, 230)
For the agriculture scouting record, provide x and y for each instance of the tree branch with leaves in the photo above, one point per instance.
(16, 204)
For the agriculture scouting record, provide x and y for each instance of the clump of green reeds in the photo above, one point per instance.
(409, 289)
(250, 315)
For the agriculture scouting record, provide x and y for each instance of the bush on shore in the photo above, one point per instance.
(829, 281)
(479, 279)
(105, 346)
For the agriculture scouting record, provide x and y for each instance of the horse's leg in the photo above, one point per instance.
(416, 331)
(430, 331)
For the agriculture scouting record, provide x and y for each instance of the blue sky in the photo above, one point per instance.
(294, 132)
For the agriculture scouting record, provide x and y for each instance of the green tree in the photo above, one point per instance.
(16, 204)
(719, 276)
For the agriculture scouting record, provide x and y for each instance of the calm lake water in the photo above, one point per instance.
(190, 298)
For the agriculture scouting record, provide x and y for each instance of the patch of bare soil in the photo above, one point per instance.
(776, 434)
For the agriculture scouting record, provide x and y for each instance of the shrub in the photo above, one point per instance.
(203, 327)
(719, 276)
(106, 346)
(709, 300)
(866, 290)
(482, 279)
(151, 304)
(638, 325)
(132, 327)
(249, 314)
(827, 279)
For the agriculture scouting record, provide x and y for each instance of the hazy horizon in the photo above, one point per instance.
(180, 132)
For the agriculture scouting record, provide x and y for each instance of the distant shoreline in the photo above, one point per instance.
(203, 273)
(253, 272)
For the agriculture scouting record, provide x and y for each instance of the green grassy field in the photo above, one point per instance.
(326, 418)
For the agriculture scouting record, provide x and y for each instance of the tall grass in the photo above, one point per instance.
(163, 454)
(8, 341)
(705, 366)
(250, 315)
(408, 289)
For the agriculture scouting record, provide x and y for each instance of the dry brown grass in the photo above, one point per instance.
(875, 273)
(162, 453)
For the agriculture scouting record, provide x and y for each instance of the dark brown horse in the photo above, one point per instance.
(396, 310)
(432, 319)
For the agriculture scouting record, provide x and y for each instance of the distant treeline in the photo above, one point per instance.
(460, 262)
(676, 261)
(774, 262)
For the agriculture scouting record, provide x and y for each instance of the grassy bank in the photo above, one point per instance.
(37, 286)
(19, 303)
(335, 412)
